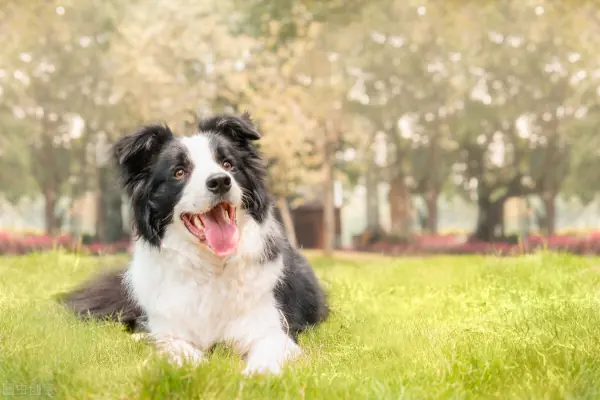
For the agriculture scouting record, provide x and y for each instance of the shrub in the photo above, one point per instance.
(588, 244)
(17, 244)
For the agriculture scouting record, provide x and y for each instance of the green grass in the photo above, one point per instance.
(451, 327)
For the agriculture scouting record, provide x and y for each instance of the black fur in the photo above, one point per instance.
(147, 160)
(299, 293)
(105, 297)
(240, 129)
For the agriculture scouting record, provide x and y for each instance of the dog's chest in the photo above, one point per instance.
(202, 306)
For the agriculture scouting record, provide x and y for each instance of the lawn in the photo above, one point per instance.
(446, 327)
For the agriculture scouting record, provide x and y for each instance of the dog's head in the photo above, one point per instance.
(196, 184)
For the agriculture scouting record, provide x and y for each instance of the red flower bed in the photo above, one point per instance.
(430, 245)
(12, 244)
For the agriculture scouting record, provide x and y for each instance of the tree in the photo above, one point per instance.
(518, 72)
(51, 65)
(402, 78)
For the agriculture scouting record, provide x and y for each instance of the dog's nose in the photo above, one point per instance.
(219, 183)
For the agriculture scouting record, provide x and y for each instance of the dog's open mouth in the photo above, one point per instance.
(217, 228)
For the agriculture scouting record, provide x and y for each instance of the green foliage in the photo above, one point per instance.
(485, 99)
(15, 181)
(292, 17)
(583, 179)
(62, 77)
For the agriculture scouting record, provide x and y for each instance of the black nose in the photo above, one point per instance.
(219, 183)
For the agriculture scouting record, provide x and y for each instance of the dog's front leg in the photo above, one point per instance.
(269, 354)
(262, 337)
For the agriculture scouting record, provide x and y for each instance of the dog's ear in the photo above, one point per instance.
(236, 127)
(135, 154)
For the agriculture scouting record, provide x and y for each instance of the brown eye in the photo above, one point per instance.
(179, 173)
(227, 165)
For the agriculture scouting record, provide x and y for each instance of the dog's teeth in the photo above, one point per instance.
(197, 221)
(225, 215)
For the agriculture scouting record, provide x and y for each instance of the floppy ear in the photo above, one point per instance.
(238, 128)
(136, 154)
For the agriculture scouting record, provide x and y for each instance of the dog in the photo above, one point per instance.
(211, 263)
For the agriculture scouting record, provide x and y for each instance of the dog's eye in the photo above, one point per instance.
(179, 173)
(227, 166)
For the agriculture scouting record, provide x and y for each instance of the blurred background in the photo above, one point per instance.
(395, 126)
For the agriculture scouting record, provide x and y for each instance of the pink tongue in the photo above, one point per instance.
(221, 233)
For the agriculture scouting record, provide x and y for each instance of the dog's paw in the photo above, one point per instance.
(269, 356)
(262, 369)
(180, 352)
(141, 337)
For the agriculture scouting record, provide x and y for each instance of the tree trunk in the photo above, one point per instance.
(327, 147)
(400, 207)
(328, 207)
(288, 222)
(50, 200)
(550, 206)
(432, 212)
(100, 206)
(109, 222)
(47, 177)
(372, 198)
(114, 222)
(490, 219)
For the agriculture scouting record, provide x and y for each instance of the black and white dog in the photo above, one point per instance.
(211, 263)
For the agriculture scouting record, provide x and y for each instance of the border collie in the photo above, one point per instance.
(210, 263)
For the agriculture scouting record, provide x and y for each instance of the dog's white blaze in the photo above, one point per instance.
(195, 299)
(196, 197)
